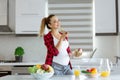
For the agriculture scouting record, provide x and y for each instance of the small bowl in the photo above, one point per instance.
(91, 75)
(43, 76)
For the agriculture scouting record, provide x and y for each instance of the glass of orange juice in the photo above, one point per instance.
(105, 74)
(76, 70)
(105, 68)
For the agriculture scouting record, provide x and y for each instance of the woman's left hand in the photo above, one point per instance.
(70, 55)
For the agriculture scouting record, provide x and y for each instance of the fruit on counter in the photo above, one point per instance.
(77, 52)
(88, 70)
(91, 71)
(32, 69)
(38, 66)
(44, 68)
(50, 69)
(85, 71)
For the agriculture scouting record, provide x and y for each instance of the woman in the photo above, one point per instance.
(58, 49)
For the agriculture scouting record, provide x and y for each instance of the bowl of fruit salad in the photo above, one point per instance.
(41, 72)
(91, 72)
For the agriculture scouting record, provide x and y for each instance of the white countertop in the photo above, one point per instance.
(20, 63)
(115, 75)
(65, 77)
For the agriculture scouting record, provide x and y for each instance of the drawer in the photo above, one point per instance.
(4, 73)
(20, 70)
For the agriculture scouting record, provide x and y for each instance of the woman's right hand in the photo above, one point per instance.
(63, 36)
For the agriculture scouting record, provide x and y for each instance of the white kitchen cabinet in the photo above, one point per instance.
(119, 13)
(27, 15)
(105, 16)
(3, 12)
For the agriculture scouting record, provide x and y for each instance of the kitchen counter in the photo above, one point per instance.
(16, 67)
(115, 75)
(29, 77)
(20, 63)
(65, 77)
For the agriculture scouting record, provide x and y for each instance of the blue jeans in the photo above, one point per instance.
(61, 69)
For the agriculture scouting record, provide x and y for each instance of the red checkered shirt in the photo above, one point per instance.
(51, 49)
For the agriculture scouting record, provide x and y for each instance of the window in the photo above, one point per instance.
(77, 18)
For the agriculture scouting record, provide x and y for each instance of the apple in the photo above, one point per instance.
(88, 70)
(45, 67)
(80, 50)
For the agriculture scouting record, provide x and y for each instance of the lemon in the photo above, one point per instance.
(50, 69)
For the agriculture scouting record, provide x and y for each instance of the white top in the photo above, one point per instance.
(63, 57)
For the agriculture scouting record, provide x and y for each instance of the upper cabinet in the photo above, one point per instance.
(3, 12)
(105, 17)
(25, 15)
(119, 14)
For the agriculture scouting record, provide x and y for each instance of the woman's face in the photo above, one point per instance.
(54, 23)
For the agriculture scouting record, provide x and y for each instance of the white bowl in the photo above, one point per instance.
(43, 76)
(89, 75)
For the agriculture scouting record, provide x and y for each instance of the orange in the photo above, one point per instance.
(38, 66)
(93, 70)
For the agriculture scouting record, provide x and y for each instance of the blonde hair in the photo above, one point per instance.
(45, 21)
(42, 27)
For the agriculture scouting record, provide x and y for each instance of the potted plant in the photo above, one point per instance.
(19, 52)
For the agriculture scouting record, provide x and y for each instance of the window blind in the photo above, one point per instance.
(76, 18)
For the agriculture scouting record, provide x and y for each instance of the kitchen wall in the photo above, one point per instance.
(34, 49)
(107, 46)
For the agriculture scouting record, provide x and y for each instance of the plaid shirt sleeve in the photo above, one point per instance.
(50, 45)
(51, 49)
